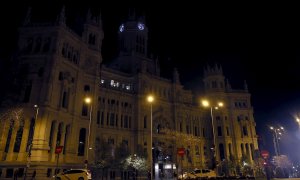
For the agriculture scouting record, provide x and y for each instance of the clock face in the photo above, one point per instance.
(121, 28)
(141, 26)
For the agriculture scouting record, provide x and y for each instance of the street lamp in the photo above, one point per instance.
(277, 132)
(88, 101)
(298, 121)
(150, 99)
(220, 104)
(36, 107)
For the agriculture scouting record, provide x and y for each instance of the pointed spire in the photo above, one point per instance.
(228, 86)
(61, 19)
(88, 15)
(99, 19)
(27, 17)
(245, 85)
(176, 78)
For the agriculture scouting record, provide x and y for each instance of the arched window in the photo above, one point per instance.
(59, 133)
(65, 99)
(46, 46)
(51, 134)
(38, 43)
(221, 150)
(28, 46)
(145, 122)
(81, 143)
(66, 138)
(242, 148)
(11, 127)
(19, 137)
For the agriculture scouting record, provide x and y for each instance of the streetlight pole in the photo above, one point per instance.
(89, 102)
(206, 103)
(150, 99)
(30, 143)
(275, 138)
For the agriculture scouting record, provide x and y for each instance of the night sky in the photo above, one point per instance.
(258, 43)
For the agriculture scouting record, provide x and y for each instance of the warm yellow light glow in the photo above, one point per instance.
(298, 120)
(150, 98)
(205, 103)
(220, 104)
(88, 100)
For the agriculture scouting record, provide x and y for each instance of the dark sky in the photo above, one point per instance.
(258, 43)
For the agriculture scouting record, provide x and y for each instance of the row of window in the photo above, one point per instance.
(37, 45)
(70, 53)
(19, 136)
(112, 119)
(114, 102)
(215, 84)
(116, 84)
(245, 149)
(240, 104)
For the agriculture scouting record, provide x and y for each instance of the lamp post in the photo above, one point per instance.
(36, 107)
(88, 101)
(276, 133)
(206, 103)
(298, 121)
(150, 99)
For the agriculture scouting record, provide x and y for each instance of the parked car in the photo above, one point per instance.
(187, 175)
(199, 173)
(74, 174)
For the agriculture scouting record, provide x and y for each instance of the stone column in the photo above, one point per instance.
(40, 144)
(3, 138)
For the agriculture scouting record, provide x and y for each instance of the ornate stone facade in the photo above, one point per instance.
(59, 69)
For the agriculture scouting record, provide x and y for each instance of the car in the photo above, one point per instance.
(199, 173)
(187, 175)
(74, 174)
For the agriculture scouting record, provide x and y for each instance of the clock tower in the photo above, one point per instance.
(133, 36)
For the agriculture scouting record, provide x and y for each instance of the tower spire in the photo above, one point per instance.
(99, 19)
(61, 19)
(27, 17)
(245, 85)
(88, 15)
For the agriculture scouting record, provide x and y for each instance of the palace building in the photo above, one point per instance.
(59, 68)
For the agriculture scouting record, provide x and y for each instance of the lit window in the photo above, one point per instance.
(102, 81)
(128, 87)
(112, 82)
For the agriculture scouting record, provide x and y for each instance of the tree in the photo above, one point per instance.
(103, 155)
(121, 153)
(283, 165)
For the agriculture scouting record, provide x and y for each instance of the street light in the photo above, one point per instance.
(150, 99)
(36, 107)
(277, 132)
(298, 121)
(88, 101)
(206, 103)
